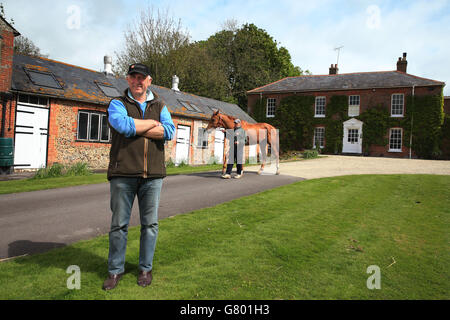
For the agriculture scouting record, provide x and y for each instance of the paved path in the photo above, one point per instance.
(331, 166)
(33, 222)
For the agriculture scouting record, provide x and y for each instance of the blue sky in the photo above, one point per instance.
(373, 33)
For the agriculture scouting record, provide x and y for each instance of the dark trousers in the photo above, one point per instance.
(238, 165)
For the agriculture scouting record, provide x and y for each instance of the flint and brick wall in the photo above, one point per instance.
(6, 57)
(63, 146)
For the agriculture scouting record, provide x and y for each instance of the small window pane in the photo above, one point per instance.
(95, 125)
(105, 128)
(23, 98)
(83, 119)
(33, 100)
(43, 101)
(202, 138)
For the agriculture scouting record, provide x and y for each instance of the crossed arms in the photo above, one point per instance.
(149, 129)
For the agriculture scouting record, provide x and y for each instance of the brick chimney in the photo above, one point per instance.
(334, 69)
(7, 34)
(402, 63)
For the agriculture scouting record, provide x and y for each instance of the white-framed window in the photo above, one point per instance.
(353, 135)
(93, 127)
(319, 137)
(270, 109)
(397, 104)
(320, 107)
(353, 106)
(26, 99)
(202, 138)
(395, 139)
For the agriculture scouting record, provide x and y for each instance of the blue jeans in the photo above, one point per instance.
(123, 192)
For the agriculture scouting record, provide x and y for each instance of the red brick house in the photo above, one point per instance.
(390, 90)
(56, 113)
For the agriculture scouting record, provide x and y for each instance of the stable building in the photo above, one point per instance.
(389, 90)
(56, 113)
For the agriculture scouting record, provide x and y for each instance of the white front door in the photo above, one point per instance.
(218, 146)
(183, 143)
(31, 137)
(352, 140)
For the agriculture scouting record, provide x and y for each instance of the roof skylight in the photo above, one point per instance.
(44, 79)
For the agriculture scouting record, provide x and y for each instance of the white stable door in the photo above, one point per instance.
(218, 145)
(183, 143)
(31, 137)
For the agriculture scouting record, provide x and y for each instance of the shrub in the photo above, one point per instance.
(310, 154)
(78, 169)
(170, 163)
(59, 170)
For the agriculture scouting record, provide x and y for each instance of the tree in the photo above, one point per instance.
(199, 72)
(150, 41)
(224, 67)
(251, 58)
(23, 45)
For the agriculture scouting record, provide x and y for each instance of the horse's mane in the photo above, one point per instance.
(231, 117)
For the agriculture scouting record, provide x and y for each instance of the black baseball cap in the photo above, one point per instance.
(139, 68)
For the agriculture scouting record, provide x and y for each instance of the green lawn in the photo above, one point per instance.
(313, 239)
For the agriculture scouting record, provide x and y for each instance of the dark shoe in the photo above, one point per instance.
(112, 281)
(145, 278)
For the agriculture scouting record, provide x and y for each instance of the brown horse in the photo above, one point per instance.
(257, 133)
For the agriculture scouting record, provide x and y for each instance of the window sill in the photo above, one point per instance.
(93, 141)
(270, 116)
(396, 116)
(319, 116)
(394, 150)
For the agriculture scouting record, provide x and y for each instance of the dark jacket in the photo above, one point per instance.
(137, 156)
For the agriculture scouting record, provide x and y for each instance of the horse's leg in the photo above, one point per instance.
(224, 161)
(263, 134)
(275, 148)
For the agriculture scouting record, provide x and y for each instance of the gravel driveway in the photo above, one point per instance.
(332, 165)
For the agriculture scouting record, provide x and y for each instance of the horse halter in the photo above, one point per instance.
(220, 123)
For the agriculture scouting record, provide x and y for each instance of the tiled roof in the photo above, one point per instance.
(80, 84)
(349, 81)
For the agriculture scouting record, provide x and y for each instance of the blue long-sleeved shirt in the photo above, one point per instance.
(124, 124)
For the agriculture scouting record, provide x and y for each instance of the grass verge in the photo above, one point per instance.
(313, 239)
(13, 186)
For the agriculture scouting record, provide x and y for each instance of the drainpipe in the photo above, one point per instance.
(5, 96)
(412, 120)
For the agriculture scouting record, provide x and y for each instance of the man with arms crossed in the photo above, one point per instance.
(140, 123)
